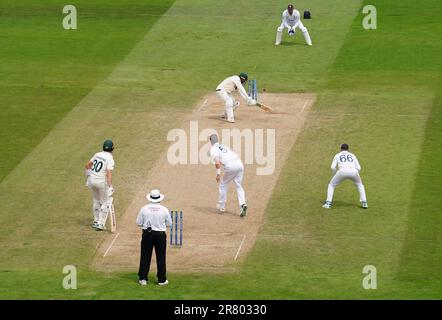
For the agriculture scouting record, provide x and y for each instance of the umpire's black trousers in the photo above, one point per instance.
(153, 239)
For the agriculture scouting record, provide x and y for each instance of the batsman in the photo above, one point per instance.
(99, 180)
(225, 90)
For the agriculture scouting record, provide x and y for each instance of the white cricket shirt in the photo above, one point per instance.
(222, 153)
(345, 160)
(290, 20)
(231, 84)
(101, 162)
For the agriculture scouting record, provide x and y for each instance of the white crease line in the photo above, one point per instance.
(110, 246)
(305, 105)
(203, 105)
(240, 246)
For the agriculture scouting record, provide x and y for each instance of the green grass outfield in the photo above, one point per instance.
(130, 72)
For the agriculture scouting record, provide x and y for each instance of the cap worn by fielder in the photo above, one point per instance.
(108, 145)
(290, 7)
(344, 146)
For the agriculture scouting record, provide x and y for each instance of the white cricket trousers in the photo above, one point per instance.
(100, 197)
(234, 172)
(344, 174)
(229, 103)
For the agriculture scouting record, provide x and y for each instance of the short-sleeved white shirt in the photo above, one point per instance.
(223, 154)
(101, 162)
(154, 215)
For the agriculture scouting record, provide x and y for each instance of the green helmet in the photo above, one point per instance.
(108, 145)
(243, 76)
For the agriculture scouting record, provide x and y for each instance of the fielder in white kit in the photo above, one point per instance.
(233, 171)
(348, 168)
(225, 90)
(99, 180)
(291, 20)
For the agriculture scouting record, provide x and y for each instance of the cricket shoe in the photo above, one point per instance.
(327, 205)
(95, 224)
(220, 209)
(364, 204)
(231, 120)
(243, 210)
(143, 282)
(163, 283)
(100, 227)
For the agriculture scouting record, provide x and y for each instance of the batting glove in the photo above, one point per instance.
(252, 102)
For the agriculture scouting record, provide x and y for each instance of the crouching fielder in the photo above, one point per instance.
(348, 168)
(233, 171)
(225, 90)
(99, 172)
(291, 20)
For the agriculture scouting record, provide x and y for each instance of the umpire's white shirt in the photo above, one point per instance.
(154, 215)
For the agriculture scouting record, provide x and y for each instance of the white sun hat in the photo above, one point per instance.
(155, 196)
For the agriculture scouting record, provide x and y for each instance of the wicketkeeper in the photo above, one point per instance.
(291, 20)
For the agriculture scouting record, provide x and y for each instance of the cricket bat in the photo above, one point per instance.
(113, 220)
(264, 107)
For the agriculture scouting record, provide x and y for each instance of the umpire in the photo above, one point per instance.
(153, 219)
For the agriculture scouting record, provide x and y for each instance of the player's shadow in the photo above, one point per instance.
(85, 221)
(213, 210)
(343, 204)
(291, 43)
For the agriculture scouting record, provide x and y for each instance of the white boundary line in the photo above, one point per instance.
(203, 105)
(110, 246)
(240, 246)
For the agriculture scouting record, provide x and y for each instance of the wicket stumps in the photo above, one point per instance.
(253, 89)
(174, 228)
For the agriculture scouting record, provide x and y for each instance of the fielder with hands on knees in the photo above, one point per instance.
(225, 90)
(153, 218)
(99, 180)
(233, 171)
(291, 20)
(348, 168)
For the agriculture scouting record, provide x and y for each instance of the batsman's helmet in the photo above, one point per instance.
(344, 146)
(108, 145)
(243, 77)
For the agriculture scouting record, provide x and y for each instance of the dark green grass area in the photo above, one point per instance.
(380, 93)
(421, 257)
(46, 70)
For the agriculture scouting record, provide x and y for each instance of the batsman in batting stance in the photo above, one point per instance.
(233, 171)
(348, 168)
(225, 90)
(291, 20)
(99, 180)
